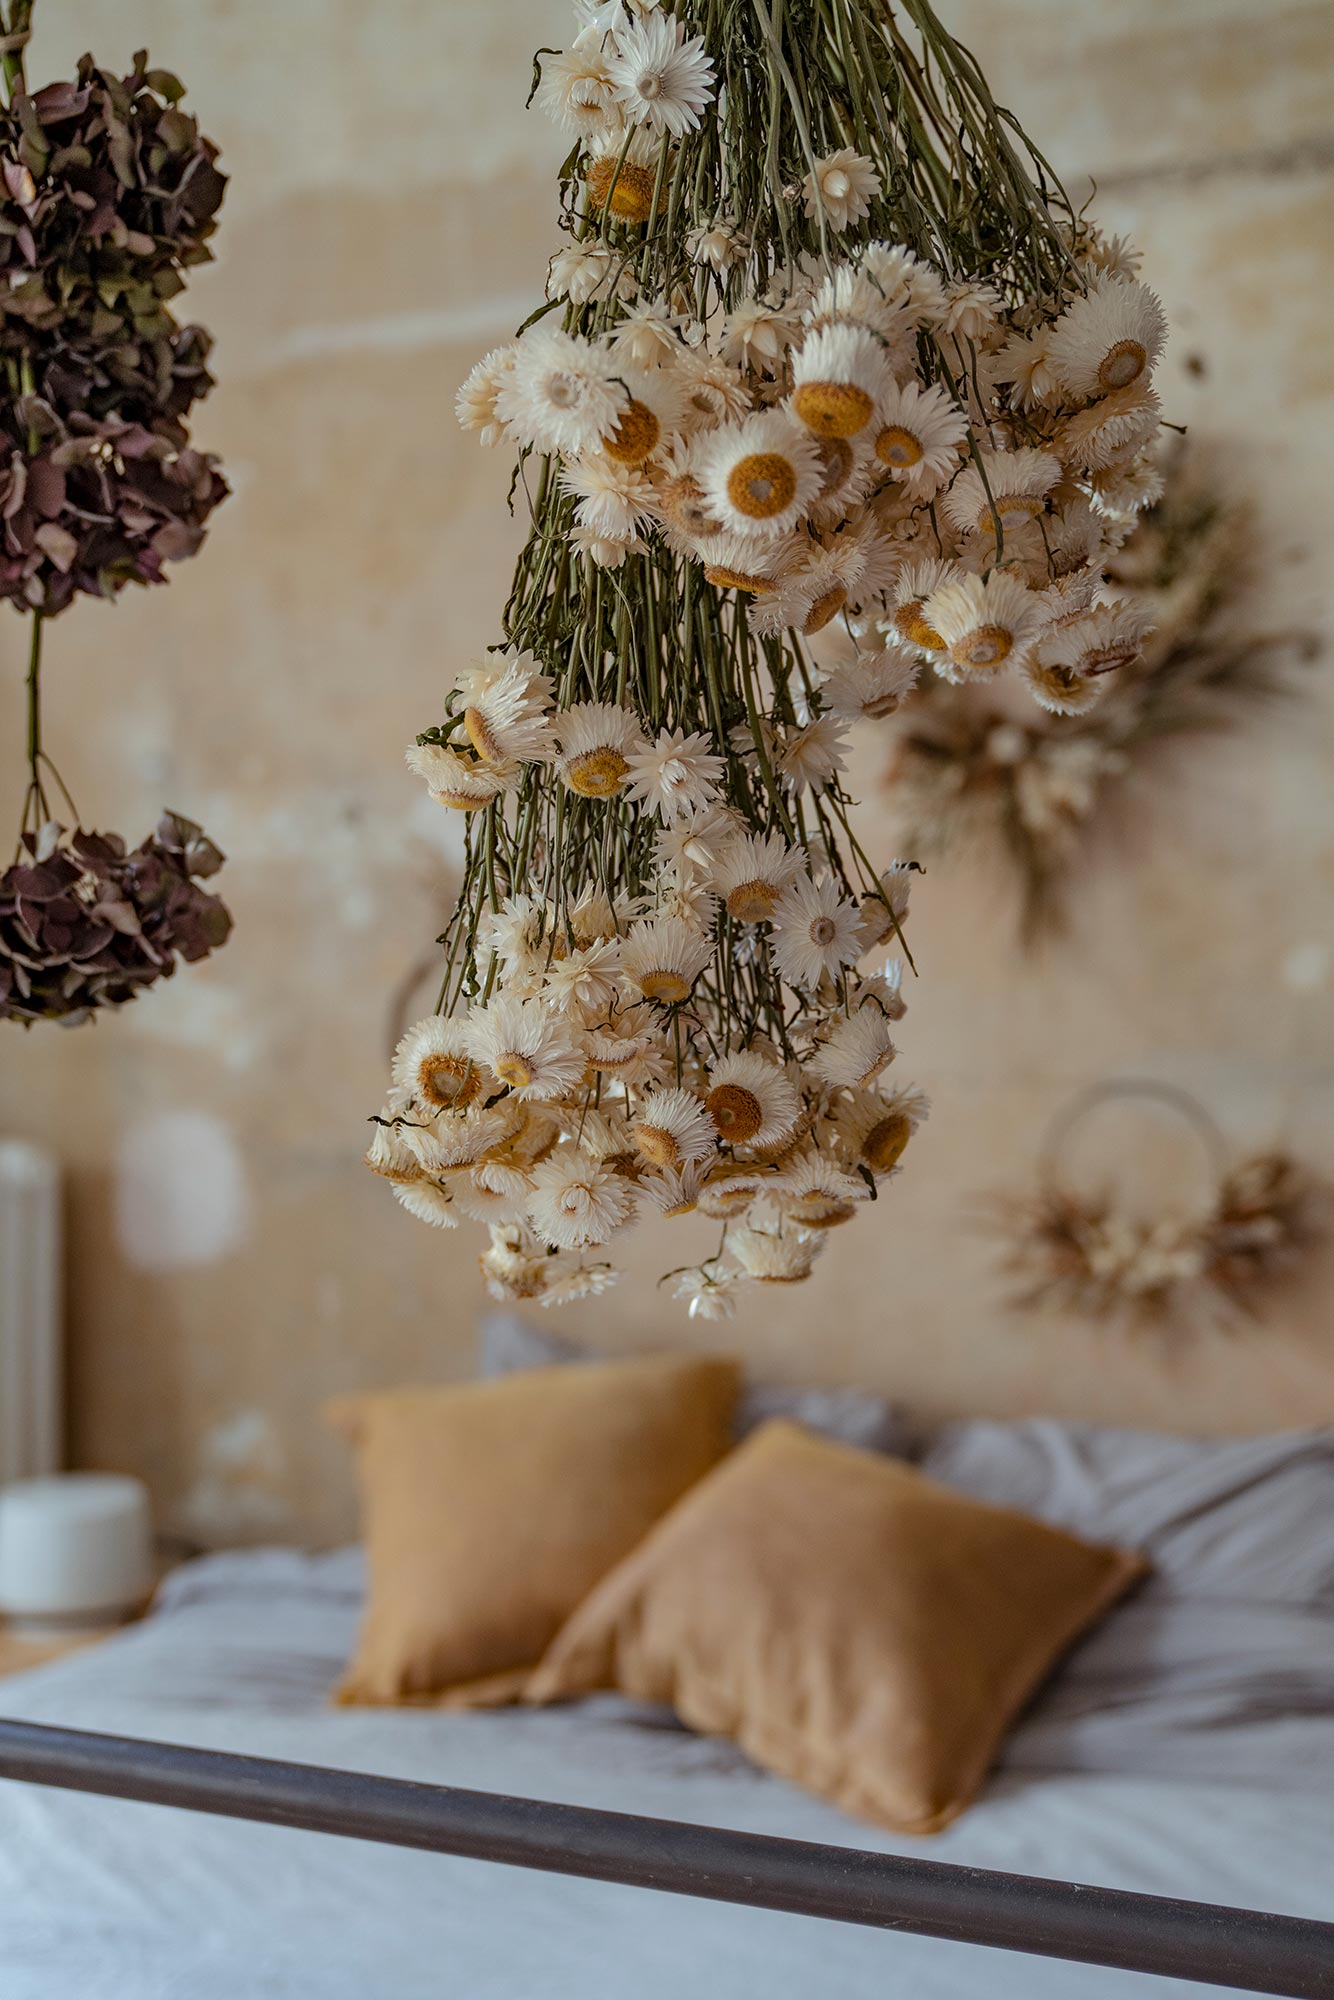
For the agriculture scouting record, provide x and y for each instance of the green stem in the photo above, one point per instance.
(17, 29)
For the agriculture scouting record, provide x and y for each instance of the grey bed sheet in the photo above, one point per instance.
(103, 1898)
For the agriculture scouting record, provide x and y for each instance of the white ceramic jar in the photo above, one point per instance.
(75, 1549)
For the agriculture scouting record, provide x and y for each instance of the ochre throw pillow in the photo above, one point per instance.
(491, 1510)
(852, 1625)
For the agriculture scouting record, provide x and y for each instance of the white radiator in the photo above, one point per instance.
(30, 1312)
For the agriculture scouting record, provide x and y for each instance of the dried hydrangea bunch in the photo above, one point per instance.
(108, 196)
(84, 925)
(823, 342)
(970, 769)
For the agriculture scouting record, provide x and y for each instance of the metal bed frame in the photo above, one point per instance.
(1251, 1949)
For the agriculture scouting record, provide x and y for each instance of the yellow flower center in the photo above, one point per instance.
(626, 190)
(658, 1145)
(882, 1148)
(824, 608)
(667, 986)
(1122, 365)
(832, 409)
(463, 801)
(596, 774)
(898, 448)
(910, 624)
(481, 735)
(635, 436)
(762, 485)
(823, 932)
(752, 902)
(987, 646)
(737, 1113)
(723, 578)
(445, 1080)
(1012, 510)
(728, 1192)
(514, 1069)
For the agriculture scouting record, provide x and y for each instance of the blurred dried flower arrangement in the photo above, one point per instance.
(108, 196)
(969, 771)
(1090, 1256)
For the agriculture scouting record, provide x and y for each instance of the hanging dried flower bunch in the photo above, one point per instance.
(824, 341)
(967, 767)
(108, 195)
(1089, 1256)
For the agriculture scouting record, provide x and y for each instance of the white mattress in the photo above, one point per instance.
(106, 1900)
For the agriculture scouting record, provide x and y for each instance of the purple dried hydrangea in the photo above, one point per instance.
(85, 925)
(108, 194)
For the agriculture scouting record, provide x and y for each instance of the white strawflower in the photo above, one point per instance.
(475, 405)
(624, 177)
(428, 1202)
(919, 435)
(969, 310)
(1011, 485)
(493, 1192)
(627, 1048)
(576, 1201)
(615, 500)
(452, 1142)
(677, 776)
(751, 874)
(585, 979)
(671, 1191)
(662, 959)
(653, 418)
(883, 989)
(814, 1193)
(607, 551)
(872, 1129)
(814, 588)
(389, 1153)
(597, 740)
(815, 932)
(751, 1100)
(814, 756)
(432, 1065)
(839, 375)
(718, 244)
(647, 336)
(1108, 339)
(917, 582)
(577, 90)
(526, 1046)
(984, 623)
(1098, 641)
(759, 477)
(692, 846)
(1060, 690)
(871, 686)
(774, 1257)
(562, 393)
(1114, 428)
(672, 1128)
(843, 186)
(714, 389)
(855, 1051)
(858, 298)
(730, 1189)
(710, 1290)
(1024, 365)
(465, 783)
(570, 1277)
(757, 335)
(506, 717)
(585, 271)
(884, 909)
(662, 79)
(743, 562)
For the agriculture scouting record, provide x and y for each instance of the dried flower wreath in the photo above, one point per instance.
(967, 770)
(108, 196)
(1086, 1255)
(825, 340)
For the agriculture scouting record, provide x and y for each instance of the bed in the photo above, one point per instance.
(1186, 1750)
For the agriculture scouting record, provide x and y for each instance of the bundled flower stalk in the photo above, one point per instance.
(824, 342)
(969, 767)
(108, 196)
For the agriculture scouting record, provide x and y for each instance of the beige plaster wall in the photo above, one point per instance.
(390, 216)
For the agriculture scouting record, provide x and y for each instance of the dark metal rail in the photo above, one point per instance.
(1251, 1949)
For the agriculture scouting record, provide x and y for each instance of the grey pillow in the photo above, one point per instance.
(1249, 1518)
(848, 1416)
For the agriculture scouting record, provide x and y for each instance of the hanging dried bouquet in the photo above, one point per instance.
(108, 196)
(823, 340)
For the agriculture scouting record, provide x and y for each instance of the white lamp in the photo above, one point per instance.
(75, 1549)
